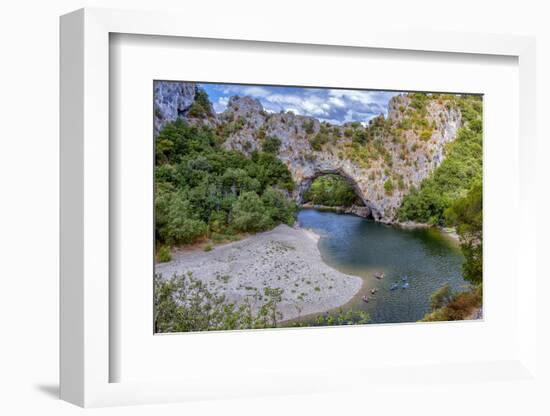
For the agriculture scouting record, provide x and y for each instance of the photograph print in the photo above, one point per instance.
(285, 206)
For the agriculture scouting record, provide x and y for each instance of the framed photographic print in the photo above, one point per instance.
(281, 206)
(248, 215)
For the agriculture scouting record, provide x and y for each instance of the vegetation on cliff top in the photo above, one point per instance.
(457, 174)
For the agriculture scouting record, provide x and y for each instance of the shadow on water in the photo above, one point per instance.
(416, 261)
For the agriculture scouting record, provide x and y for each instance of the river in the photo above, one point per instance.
(424, 258)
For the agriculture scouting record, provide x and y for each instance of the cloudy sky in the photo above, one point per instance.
(333, 105)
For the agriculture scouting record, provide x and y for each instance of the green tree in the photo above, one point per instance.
(175, 223)
(201, 106)
(466, 214)
(249, 214)
(279, 207)
(331, 190)
(271, 145)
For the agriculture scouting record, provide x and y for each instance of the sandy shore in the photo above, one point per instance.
(285, 258)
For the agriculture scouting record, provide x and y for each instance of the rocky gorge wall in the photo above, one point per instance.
(383, 160)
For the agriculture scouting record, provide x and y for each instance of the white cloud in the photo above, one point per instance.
(330, 120)
(221, 104)
(311, 105)
(337, 102)
(294, 110)
(256, 91)
(333, 105)
(348, 116)
(252, 90)
(364, 97)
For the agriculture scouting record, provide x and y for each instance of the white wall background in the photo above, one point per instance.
(29, 206)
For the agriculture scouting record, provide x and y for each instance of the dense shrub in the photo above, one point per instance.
(164, 254)
(441, 297)
(418, 100)
(249, 213)
(360, 136)
(466, 214)
(455, 306)
(309, 126)
(388, 187)
(279, 208)
(184, 303)
(271, 145)
(319, 140)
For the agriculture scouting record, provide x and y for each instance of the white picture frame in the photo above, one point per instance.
(85, 353)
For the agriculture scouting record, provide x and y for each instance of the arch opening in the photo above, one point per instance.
(333, 189)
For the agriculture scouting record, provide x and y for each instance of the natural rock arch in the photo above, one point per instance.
(381, 182)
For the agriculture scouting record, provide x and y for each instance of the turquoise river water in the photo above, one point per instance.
(426, 259)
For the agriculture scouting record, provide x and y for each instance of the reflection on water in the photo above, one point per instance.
(423, 258)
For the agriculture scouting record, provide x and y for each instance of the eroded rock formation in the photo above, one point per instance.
(383, 160)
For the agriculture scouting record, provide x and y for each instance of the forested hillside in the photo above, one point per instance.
(204, 191)
(459, 172)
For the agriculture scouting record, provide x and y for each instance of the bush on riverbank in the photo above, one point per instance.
(184, 303)
(448, 306)
(164, 254)
(350, 317)
(466, 214)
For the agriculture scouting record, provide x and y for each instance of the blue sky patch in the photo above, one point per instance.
(336, 106)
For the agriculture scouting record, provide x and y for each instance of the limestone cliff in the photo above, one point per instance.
(172, 100)
(382, 160)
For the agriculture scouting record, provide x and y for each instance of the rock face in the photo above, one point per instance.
(405, 162)
(172, 100)
(383, 161)
(360, 211)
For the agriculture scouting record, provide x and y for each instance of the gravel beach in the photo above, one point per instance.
(285, 258)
